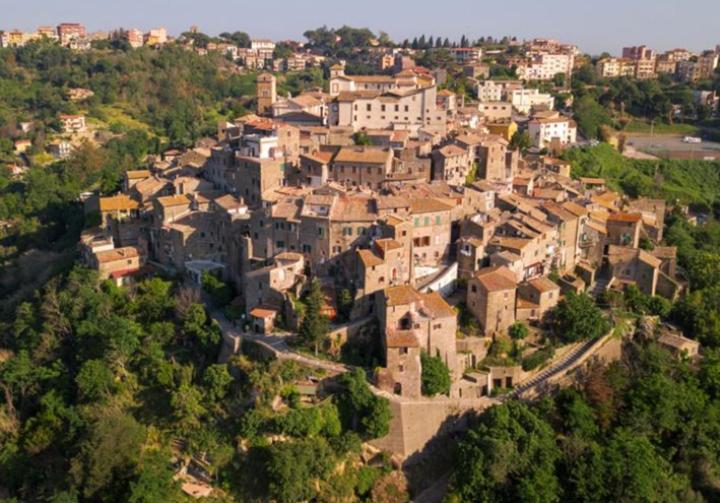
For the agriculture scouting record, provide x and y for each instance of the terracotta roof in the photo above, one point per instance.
(452, 151)
(436, 306)
(496, 278)
(575, 209)
(263, 312)
(319, 156)
(176, 200)
(511, 243)
(121, 202)
(387, 244)
(137, 174)
(592, 181)
(125, 253)
(625, 217)
(368, 258)
(429, 205)
(363, 155)
(401, 339)
(543, 284)
(401, 295)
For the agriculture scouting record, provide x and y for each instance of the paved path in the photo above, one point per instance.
(563, 365)
(276, 344)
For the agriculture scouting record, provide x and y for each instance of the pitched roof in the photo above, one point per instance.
(368, 258)
(176, 200)
(436, 306)
(625, 217)
(125, 253)
(137, 174)
(543, 284)
(120, 202)
(429, 205)
(401, 295)
(401, 339)
(496, 278)
(363, 155)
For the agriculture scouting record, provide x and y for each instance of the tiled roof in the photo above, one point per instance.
(401, 295)
(125, 253)
(496, 278)
(121, 202)
(176, 200)
(363, 155)
(137, 174)
(436, 306)
(368, 258)
(429, 205)
(401, 339)
(543, 284)
(625, 217)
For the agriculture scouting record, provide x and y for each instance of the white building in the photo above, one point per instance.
(544, 66)
(552, 131)
(526, 99)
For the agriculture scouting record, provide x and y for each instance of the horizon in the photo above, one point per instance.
(398, 20)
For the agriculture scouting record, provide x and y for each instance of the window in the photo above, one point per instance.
(437, 326)
(369, 107)
(397, 109)
(403, 351)
(427, 220)
(307, 249)
(417, 222)
(320, 231)
(438, 220)
(473, 289)
(280, 244)
(382, 108)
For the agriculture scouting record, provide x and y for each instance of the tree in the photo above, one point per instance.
(435, 375)
(345, 303)
(314, 326)
(360, 410)
(95, 380)
(590, 116)
(518, 330)
(186, 402)
(577, 318)
(520, 140)
(239, 38)
(217, 379)
(361, 138)
(109, 455)
(509, 456)
(154, 480)
(293, 468)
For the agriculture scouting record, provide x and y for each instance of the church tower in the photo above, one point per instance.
(266, 93)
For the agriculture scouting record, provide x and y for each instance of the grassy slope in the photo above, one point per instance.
(696, 182)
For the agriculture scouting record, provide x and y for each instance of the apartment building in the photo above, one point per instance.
(525, 100)
(72, 123)
(544, 66)
(615, 67)
(552, 131)
(67, 32)
(358, 166)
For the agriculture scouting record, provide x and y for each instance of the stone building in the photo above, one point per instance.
(491, 298)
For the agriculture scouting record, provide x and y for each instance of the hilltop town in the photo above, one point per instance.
(434, 225)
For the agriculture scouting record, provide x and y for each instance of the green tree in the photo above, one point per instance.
(577, 318)
(360, 410)
(345, 303)
(590, 115)
(520, 140)
(94, 380)
(314, 326)
(509, 456)
(518, 330)
(435, 375)
(154, 481)
(217, 380)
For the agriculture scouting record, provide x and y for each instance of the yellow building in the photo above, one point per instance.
(506, 129)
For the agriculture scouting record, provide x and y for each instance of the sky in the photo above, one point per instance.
(594, 25)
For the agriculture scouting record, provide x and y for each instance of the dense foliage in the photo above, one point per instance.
(644, 429)
(104, 389)
(435, 376)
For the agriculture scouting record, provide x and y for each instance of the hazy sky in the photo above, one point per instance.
(595, 25)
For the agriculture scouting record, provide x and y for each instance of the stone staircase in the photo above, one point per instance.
(599, 287)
